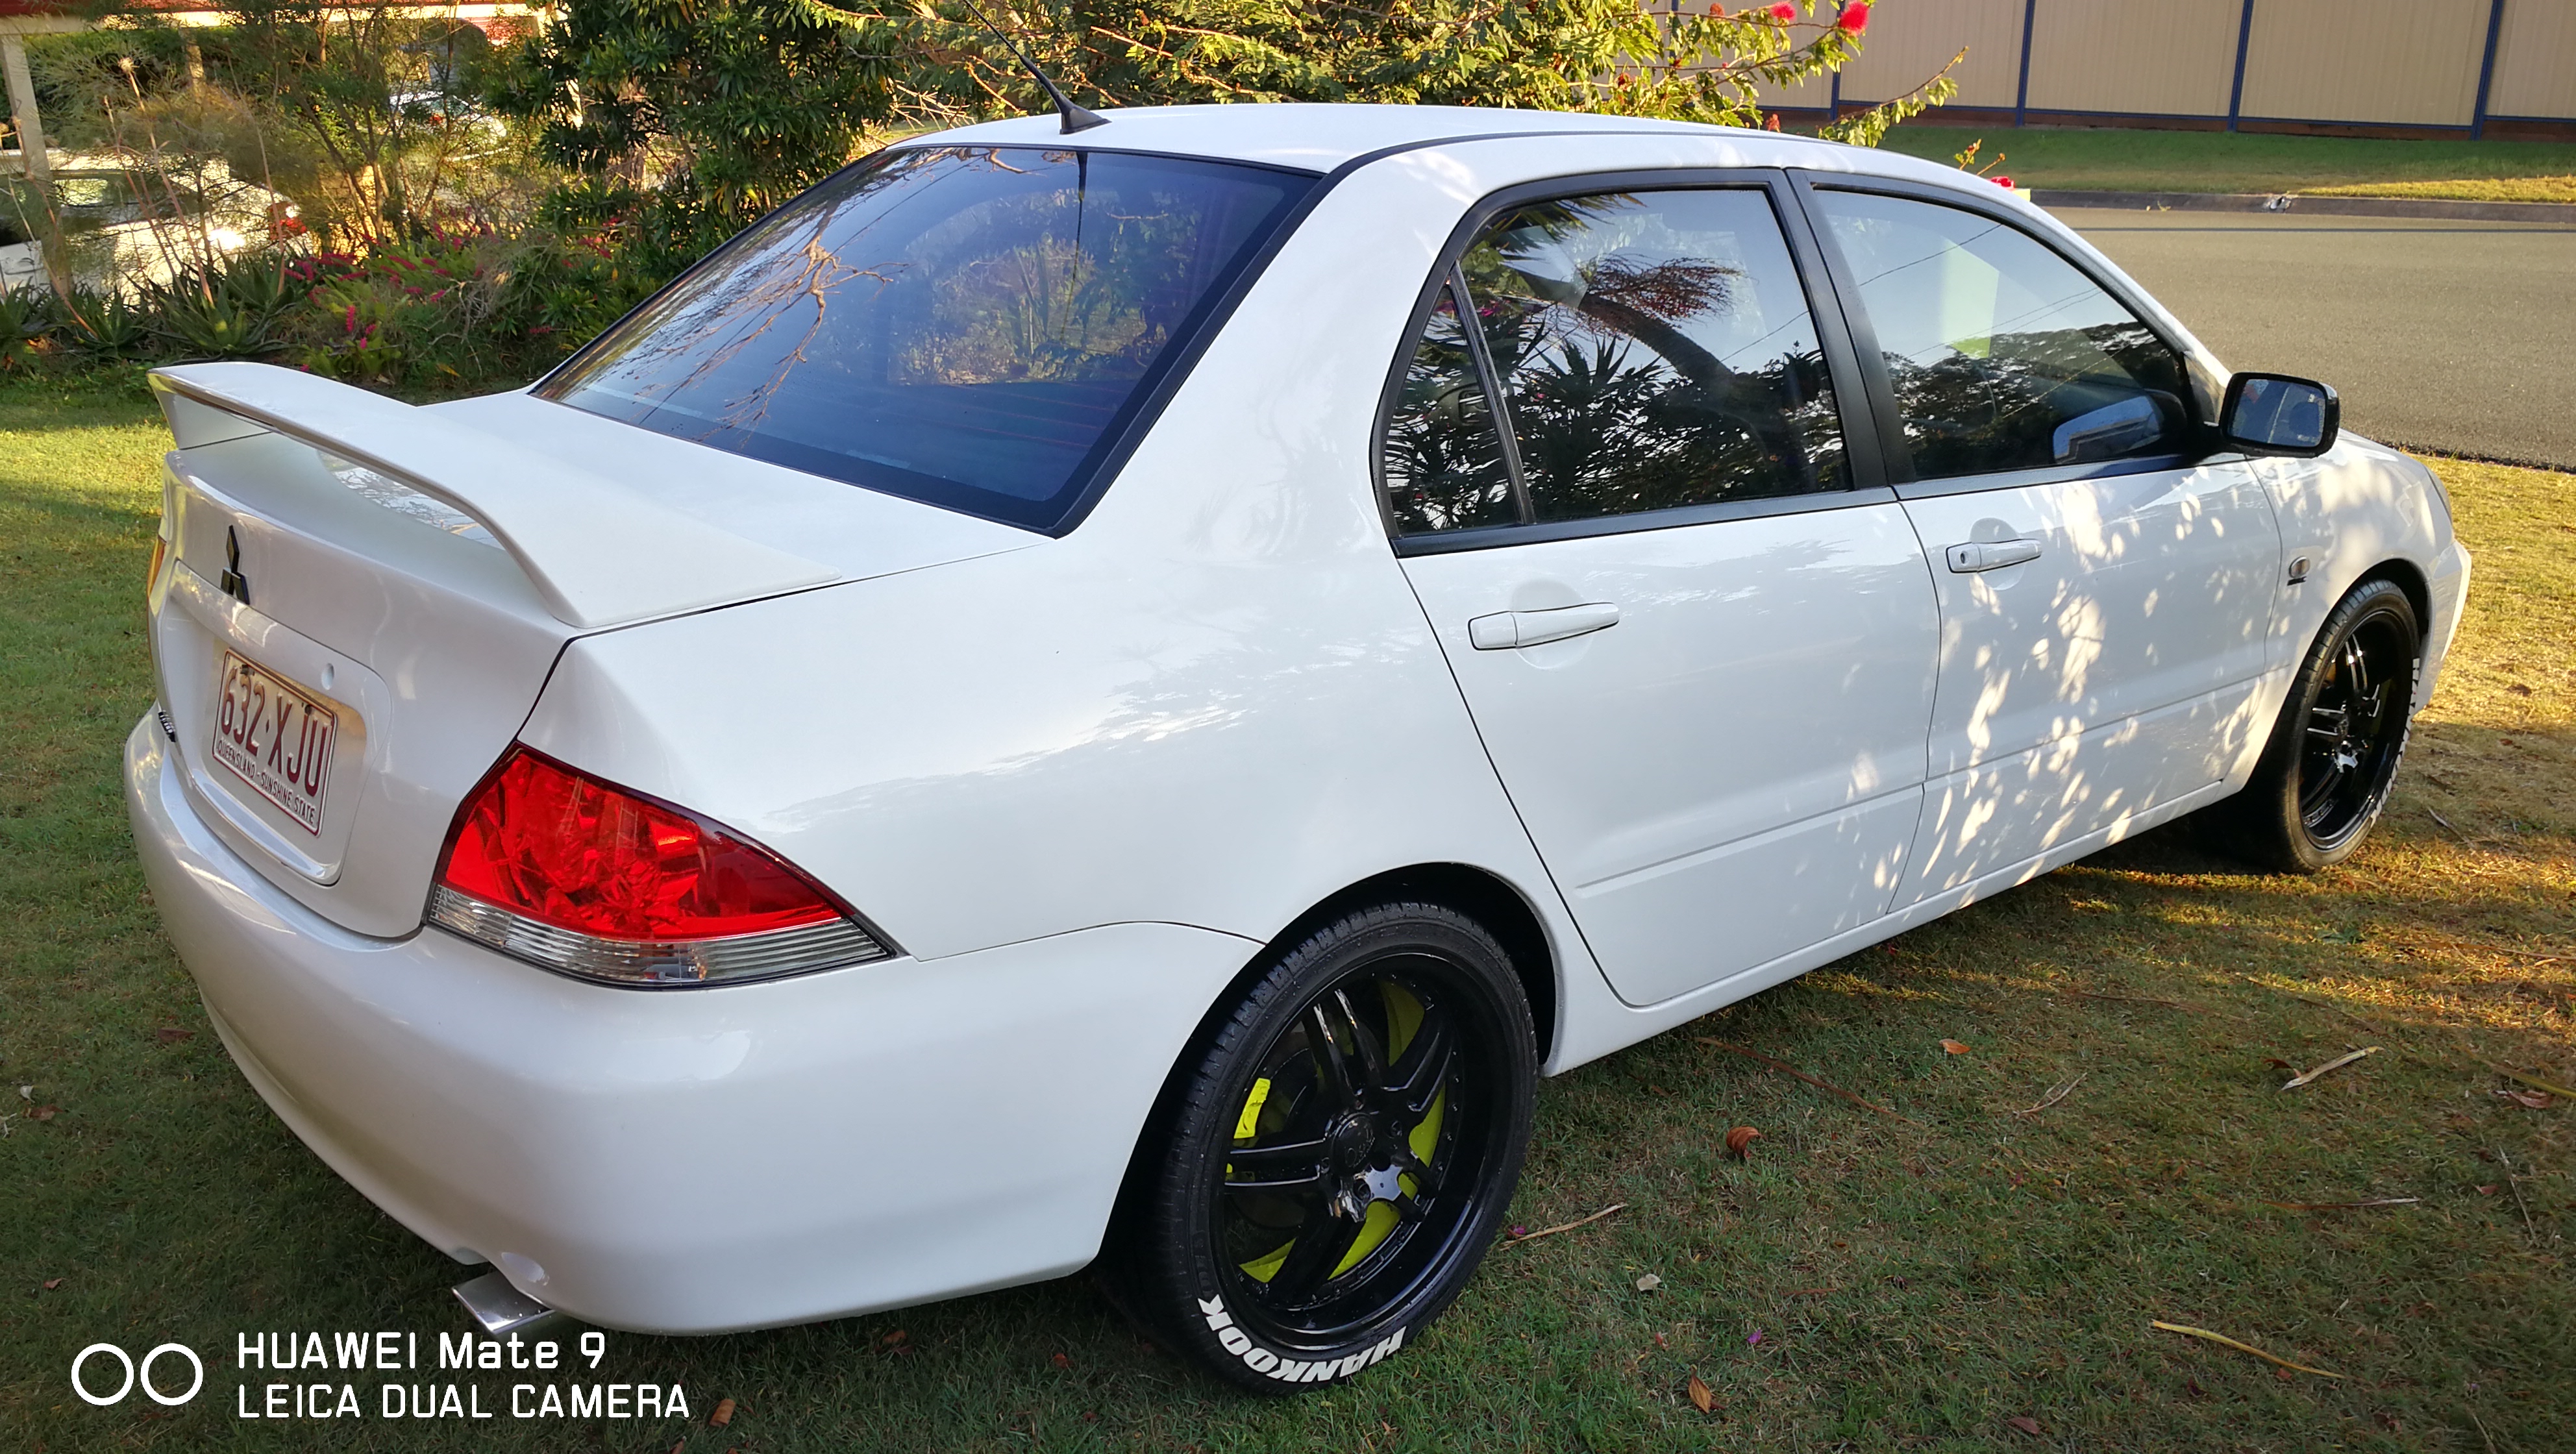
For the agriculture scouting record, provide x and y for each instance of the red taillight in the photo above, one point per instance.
(563, 869)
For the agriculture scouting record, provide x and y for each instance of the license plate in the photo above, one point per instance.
(276, 739)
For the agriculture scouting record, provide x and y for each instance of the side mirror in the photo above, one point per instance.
(2279, 414)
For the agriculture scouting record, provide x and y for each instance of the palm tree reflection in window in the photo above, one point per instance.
(1656, 352)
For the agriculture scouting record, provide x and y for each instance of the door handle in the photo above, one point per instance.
(1980, 555)
(1506, 629)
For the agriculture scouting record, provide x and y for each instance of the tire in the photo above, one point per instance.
(1385, 1162)
(2333, 754)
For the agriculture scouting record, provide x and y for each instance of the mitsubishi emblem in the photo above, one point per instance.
(233, 583)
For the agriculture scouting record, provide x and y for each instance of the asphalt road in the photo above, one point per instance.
(2455, 337)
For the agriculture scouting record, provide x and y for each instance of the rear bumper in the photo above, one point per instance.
(695, 1160)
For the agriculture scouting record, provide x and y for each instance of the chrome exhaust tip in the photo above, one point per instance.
(502, 1310)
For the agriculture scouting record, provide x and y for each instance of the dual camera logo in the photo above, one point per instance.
(138, 1373)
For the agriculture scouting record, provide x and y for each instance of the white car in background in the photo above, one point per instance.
(1121, 697)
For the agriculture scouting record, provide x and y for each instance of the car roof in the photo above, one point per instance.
(1322, 136)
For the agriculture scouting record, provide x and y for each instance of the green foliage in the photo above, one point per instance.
(200, 318)
(104, 325)
(742, 103)
(755, 99)
(25, 316)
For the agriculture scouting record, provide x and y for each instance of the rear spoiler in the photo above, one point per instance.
(598, 553)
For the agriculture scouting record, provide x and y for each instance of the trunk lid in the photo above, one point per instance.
(356, 601)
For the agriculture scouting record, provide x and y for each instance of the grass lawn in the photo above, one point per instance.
(2124, 159)
(1860, 1282)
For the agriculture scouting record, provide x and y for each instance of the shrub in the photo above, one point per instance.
(104, 325)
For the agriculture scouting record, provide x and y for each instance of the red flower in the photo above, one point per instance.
(1855, 17)
(1784, 13)
(2003, 181)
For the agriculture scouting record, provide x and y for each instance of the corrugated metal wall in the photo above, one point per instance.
(2169, 58)
(2535, 70)
(2404, 61)
(2361, 63)
(1898, 58)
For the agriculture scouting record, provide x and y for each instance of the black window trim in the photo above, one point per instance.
(1494, 537)
(1852, 406)
(1896, 457)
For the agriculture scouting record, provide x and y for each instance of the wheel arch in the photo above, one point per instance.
(1478, 893)
(2407, 577)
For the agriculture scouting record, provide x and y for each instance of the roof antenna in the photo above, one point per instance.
(1075, 117)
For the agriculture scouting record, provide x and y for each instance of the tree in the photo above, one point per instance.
(733, 105)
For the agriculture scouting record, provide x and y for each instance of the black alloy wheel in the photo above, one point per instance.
(2333, 754)
(1334, 1160)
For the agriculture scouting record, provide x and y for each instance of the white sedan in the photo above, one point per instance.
(1120, 698)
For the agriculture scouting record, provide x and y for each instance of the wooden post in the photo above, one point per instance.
(22, 109)
(40, 167)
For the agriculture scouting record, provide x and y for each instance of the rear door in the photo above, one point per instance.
(2105, 583)
(1696, 634)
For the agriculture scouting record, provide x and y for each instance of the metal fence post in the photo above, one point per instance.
(2021, 96)
(2486, 71)
(2244, 39)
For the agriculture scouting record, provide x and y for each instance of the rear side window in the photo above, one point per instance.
(971, 327)
(2002, 354)
(1444, 453)
(1653, 350)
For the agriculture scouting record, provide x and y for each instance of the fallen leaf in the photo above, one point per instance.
(2025, 1423)
(2344, 1206)
(2529, 1100)
(2338, 1063)
(2055, 1094)
(2490, 1189)
(1739, 1142)
(172, 1033)
(1660, 1343)
(1649, 1283)
(52, 1283)
(1060, 1361)
(723, 1414)
(1954, 1047)
(26, 1093)
(1570, 1226)
(44, 1113)
(891, 1338)
(1701, 1399)
(2276, 1062)
(2509, 1073)
(2224, 1341)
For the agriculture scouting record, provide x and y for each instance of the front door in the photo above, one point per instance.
(1699, 652)
(2104, 593)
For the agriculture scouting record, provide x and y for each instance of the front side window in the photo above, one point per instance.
(1653, 351)
(2003, 356)
(971, 327)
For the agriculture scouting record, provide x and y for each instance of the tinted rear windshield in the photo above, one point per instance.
(972, 327)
